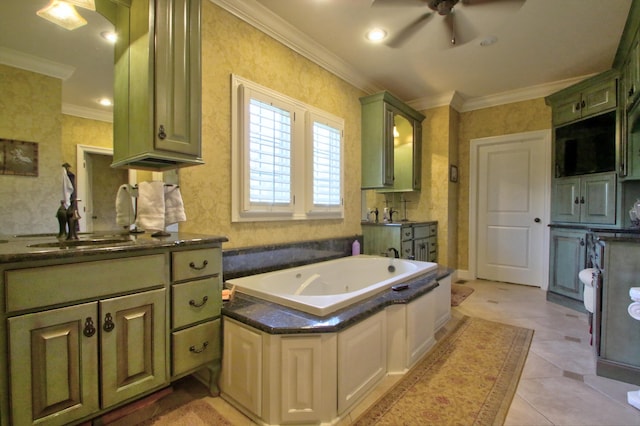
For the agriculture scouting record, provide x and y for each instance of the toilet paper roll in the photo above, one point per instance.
(634, 293)
(634, 310)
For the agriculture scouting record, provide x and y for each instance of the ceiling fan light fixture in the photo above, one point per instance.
(443, 7)
(376, 34)
(86, 4)
(63, 14)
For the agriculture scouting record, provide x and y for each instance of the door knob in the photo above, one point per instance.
(537, 220)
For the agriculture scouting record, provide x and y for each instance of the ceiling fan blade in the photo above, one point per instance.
(407, 32)
(480, 2)
(396, 3)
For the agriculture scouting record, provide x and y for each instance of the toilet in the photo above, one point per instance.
(587, 277)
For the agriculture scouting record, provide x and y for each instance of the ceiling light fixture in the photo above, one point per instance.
(110, 36)
(63, 14)
(376, 34)
(87, 4)
(105, 102)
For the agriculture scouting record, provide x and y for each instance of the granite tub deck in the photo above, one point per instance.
(273, 318)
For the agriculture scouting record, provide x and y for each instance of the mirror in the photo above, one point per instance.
(57, 76)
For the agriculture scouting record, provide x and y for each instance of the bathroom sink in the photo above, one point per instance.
(84, 243)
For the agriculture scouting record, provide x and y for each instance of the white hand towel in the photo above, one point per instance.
(173, 205)
(634, 310)
(151, 205)
(67, 188)
(125, 215)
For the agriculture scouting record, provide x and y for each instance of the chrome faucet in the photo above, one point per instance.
(395, 252)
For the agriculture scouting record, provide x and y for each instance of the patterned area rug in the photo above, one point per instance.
(459, 293)
(468, 378)
(194, 413)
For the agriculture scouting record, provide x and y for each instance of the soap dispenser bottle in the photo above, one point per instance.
(355, 248)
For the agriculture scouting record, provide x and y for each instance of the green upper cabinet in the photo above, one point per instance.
(391, 144)
(157, 110)
(584, 99)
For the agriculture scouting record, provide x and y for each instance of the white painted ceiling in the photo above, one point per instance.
(541, 43)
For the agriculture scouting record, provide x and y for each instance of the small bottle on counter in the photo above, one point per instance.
(355, 248)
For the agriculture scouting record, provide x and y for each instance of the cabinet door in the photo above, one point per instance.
(377, 144)
(53, 365)
(598, 198)
(567, 258)
(242, 371)
(301, 366)
(362, 359)
(598, 98)
(133, 350)
(565, 200)
(421, 249)
(632, 148)
(177, 72)
(567, 110)
(630, 86)
(379, 238)
(421, 317)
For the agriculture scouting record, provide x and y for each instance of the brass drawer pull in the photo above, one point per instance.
(199, 268)
(198, 305)
(89, 329)
(108, 323)
(197, 351)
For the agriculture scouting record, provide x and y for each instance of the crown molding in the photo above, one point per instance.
(90, 113)
(271, 24)
(32, 63)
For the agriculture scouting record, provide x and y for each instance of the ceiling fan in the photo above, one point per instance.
(443, 8)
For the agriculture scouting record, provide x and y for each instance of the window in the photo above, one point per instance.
(287, 157)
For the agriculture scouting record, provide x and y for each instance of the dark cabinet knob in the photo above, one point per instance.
(108, 325)
(161, 133)
(89, 328)
(537, 220)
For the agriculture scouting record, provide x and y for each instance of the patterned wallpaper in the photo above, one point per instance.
(31, 107)
(495, 121)
(229, 45)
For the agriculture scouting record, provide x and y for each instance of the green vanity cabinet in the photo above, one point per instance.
(584, 199)
(413, 240)
(568, 254)
(157, 108)
(83, 332)
(619, 349)
(391, 144)
(584, 99)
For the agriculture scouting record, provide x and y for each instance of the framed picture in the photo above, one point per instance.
(18, 158)
(453, 173)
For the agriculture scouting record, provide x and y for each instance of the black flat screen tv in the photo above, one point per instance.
(586, 146)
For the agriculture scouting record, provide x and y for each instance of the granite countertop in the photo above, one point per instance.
(273, 318)
(46, 246)
(398, 223)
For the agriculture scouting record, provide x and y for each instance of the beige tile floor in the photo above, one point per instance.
(558, 385)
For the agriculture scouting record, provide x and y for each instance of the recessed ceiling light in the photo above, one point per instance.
(110, 36)
(488, 41)
(105, 102)
(376, 34)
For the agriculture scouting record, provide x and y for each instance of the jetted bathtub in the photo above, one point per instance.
(325, 287)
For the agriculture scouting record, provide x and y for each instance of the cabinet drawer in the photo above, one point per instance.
(195, 346)
(191, 264)
(424, 231)
(407, 233)
(195, 301)
(51, 285)
(433, 245)
(407, 249)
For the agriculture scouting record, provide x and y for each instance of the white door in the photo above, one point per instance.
(512, 184)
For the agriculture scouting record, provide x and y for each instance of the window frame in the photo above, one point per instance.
(303, 116)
